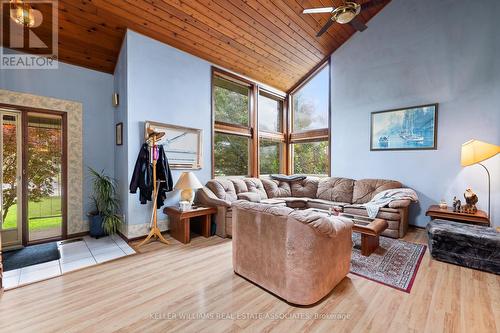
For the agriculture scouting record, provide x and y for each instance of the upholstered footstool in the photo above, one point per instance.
(465, 245)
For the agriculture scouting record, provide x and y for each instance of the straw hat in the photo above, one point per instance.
(152, 133)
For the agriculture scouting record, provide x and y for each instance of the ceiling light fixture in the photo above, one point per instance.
(22, 13)
(344, 14)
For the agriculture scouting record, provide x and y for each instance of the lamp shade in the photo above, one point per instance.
(475, 151)
(187, 181)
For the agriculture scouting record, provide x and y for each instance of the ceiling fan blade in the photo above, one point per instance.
(372, 3)
(327, 25)
(357, 24)
(318, 10)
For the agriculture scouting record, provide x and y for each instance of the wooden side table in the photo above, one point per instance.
(370, 230)
(180, 221)
(479, 217)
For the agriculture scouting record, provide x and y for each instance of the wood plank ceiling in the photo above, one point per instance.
(268, 40)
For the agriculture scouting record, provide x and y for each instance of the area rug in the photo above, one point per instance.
(395, 263)
(30, 255)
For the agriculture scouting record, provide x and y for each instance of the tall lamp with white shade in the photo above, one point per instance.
(474, 152)
(187, 183)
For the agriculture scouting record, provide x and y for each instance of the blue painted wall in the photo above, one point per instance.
(93, 89)
(121, 171)
(169, 86)
(419, 52)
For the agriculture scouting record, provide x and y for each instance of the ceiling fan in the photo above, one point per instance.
(344, 14)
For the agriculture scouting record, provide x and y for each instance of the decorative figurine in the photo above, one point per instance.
(456, 204)
(471, 200)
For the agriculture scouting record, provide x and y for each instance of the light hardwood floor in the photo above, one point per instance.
(145, 292)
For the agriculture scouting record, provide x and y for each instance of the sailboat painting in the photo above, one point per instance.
(404, 129)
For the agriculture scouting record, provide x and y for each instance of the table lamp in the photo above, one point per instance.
(474, 152)
(186, 183)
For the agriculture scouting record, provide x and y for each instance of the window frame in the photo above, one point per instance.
(272, 135)
(287, 137)
(315, 135)
(235, 129)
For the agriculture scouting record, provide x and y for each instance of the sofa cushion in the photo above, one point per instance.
(335, 189)
(239, 185)
(276, 189)
(249, 196)
(365, 189)
(305, 188)
(255, 185)
(223, 189)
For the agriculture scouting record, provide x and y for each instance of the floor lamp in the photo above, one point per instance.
(474, 152)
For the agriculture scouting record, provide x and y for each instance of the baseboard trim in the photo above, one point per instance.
(134, 239)
(78, 234)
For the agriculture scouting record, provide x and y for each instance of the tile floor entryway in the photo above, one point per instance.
(74, 255)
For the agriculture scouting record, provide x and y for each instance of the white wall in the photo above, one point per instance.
(413, 53)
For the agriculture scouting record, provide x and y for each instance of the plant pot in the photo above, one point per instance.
(95, 226)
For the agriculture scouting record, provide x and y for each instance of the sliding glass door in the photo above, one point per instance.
(11, 178)
(32, 156)
(44, 176)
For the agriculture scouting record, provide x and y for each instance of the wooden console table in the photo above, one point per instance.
(479, 217)
(180, 221)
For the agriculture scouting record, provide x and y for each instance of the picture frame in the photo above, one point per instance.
(183, 145)
(408, 128)
(119, 134)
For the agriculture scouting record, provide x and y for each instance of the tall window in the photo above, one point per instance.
(309, 137)
(271, 134)
(256, 133)
(232, 127)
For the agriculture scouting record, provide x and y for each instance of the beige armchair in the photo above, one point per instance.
(298, 255)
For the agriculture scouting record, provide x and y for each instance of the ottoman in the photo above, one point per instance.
(465, 245)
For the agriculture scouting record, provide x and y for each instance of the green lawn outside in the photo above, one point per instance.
(45, 214)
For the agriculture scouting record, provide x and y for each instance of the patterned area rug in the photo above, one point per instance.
(395, 263)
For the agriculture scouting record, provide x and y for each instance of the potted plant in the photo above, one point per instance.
(104, 220)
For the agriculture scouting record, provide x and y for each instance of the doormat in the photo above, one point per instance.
(30, 255)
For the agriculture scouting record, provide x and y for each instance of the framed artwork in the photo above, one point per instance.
(411, 128)
(119, 134)
(183, 145)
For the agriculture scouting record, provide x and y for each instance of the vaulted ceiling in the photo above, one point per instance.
(268, 40)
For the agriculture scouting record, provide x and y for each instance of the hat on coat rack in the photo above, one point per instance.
(152, 133)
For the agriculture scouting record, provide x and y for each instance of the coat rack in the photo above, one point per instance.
(155, 232)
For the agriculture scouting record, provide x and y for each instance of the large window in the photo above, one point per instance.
(271, 134)
(309, 135)
(233, 130)
(256, 131)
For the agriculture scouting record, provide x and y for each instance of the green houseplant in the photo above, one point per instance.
(104, 220)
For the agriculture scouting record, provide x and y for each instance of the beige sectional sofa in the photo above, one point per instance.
(310, 192)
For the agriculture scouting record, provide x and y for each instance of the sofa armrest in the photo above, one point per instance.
(206, 197)
(399, 203)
